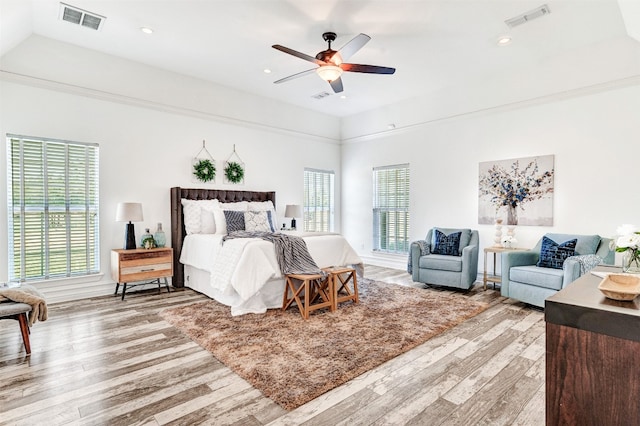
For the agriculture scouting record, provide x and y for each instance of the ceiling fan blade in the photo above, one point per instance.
(298, 54)
(336, 85)
(291, 77)
(353, 46)
(370, 69)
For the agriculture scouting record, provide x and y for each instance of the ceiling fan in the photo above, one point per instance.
(331, 62)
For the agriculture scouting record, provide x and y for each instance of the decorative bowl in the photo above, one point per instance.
(620, 286)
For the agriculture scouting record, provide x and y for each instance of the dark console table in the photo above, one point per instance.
(592, 356)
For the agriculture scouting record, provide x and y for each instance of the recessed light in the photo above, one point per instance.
(343, 96)
(146, 30)
(267, 71)
(504, 40)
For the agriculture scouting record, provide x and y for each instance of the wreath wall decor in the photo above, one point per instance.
(234, 172)
(203, 166)
(234, 168)
(204, 170)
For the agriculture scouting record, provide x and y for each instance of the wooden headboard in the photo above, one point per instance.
(178, 231)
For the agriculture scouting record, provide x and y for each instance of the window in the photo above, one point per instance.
(391, 208)
(318, 200)
(52, 192)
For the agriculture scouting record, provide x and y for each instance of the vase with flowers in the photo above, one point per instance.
(628, 243)
(509, 241)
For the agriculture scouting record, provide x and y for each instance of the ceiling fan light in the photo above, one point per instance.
(329, 73)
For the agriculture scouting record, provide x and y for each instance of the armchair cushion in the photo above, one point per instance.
(553, 254)
(441, 262)
(448, 245)
(539, 277)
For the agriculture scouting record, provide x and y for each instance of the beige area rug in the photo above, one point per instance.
(293, 361)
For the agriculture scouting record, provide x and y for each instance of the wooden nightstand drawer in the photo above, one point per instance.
(141, 264)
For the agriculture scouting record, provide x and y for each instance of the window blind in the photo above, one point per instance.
(53, 207)
(391, 208)
(318, 200)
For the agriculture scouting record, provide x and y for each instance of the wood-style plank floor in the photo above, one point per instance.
(105, 361)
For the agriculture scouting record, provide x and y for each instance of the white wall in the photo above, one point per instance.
(144, 152)
(593, 136)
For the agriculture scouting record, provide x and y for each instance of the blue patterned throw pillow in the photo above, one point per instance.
(553, 255)
(235, 220)
(448, 245)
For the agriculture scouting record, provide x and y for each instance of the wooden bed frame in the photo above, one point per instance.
(178, 232)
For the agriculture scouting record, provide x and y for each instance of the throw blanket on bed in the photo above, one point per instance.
(291, 251)
(29, 295)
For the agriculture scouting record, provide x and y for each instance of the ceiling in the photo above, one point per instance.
(433, 44)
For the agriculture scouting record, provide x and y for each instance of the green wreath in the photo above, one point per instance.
(234, 172)
(204, 170)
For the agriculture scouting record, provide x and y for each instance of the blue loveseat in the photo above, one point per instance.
(458, 270)
(523, 280)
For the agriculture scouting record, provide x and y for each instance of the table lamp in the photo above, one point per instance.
(293, 211)
(129, 212)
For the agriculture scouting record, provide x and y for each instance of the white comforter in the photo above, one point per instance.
(240, 268)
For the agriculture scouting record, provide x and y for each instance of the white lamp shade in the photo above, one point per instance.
(129, 212)
(293, 210)
(329, 72)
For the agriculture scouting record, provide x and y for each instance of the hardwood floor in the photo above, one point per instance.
(106, 361)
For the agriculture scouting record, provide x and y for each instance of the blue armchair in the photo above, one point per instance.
(523, 280)
(459, 269)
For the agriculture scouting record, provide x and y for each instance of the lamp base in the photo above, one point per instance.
(293, 224)
(130, 237)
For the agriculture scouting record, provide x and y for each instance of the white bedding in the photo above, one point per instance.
(240, 269)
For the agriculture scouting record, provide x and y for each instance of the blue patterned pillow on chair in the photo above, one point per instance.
(448, 245)
(235, 220)
(553, 255)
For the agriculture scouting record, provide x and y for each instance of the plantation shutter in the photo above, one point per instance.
(318, 200)
(53, 208)
(391, 208)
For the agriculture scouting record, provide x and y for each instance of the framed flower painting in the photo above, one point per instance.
(518, 191)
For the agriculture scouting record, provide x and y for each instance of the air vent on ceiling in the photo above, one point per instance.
(81, 17)
(528, 16)
(321, 95)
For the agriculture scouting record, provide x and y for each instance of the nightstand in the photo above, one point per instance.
(150, 265)
(494, 278)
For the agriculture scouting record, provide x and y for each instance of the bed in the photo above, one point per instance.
(243, 273)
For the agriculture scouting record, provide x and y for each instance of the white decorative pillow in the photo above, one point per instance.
(207, 220)
(257, 221)
(259, 206)
(265, 206)
(191, 212)
(191, 216)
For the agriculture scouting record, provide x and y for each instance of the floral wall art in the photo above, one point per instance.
(518, 191)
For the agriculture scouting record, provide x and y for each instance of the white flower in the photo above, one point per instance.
(509, 239)
(626, 229)
(629, 241)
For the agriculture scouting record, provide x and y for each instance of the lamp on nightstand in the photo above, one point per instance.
(293, 211)
(129, 212)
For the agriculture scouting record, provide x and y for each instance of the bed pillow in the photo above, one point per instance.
(448, 245)
(192, 214)
(257, 221)
(207, 220)
(553, 255)
(237, 206)
(235, 220)
(265, 206)
(191, 217)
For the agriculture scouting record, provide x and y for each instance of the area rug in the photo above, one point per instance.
(293, 361)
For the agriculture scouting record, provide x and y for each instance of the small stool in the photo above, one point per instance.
(317, 293)
(18, 311)
(340, 278)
